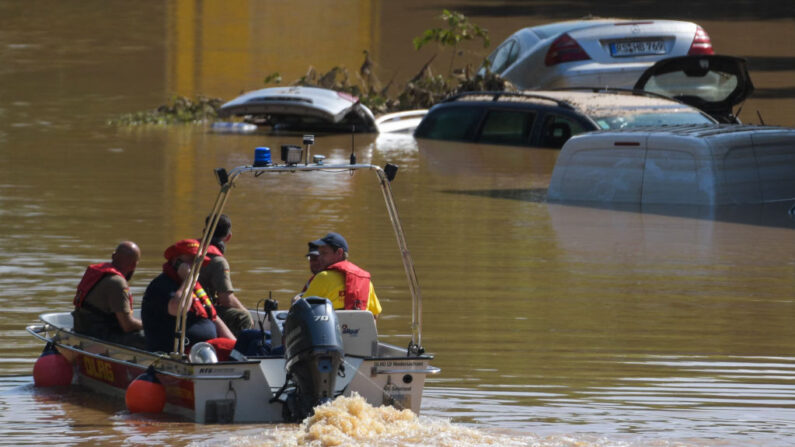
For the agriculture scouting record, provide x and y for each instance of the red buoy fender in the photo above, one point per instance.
(145, 394)
(52, 369)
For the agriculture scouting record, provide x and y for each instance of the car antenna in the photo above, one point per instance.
(353, 145)
(760, 118)
(739, 109)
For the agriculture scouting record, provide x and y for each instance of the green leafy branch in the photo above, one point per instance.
(459, 29)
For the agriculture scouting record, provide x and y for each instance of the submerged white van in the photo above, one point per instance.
(698, 165)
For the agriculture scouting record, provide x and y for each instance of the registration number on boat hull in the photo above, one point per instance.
(628, 48)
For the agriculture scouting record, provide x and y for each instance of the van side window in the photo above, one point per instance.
(451, 123)
(557, 129)
(507, 127)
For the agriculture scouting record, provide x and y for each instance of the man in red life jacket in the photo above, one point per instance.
(103, 302)
(215, 278)
(344, 283)
(160, 304)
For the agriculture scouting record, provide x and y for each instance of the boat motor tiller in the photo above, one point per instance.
(314, 353)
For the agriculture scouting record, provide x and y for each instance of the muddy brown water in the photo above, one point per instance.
(553, 324)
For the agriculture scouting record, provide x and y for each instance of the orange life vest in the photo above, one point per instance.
(357, 284)
(91, 277)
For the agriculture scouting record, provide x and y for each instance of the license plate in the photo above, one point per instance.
(637, 48)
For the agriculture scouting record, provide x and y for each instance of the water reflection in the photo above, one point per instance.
(672, 232)
(694, 396)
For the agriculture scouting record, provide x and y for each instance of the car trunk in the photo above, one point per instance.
(714, 84)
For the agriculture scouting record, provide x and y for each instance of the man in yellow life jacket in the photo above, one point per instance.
(345, 284)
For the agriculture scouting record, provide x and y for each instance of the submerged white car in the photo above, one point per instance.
(297, 109)
(593, 53)
(311, 109)
(705, 165)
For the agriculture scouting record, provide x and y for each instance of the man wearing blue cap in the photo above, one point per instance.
(345, 284)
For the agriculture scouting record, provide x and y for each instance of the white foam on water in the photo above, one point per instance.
(351, 421)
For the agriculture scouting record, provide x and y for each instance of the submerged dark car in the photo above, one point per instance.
(549, 118)
(692, 90)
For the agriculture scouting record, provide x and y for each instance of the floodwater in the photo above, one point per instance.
(554, 325)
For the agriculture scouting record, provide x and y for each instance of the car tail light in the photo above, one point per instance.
(701, 43)
(565, 49)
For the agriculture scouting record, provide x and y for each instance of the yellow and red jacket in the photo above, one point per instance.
(201, 306)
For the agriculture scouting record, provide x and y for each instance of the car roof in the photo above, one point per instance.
(553, 29)
(588, 102)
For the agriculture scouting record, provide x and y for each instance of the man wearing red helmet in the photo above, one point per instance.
(160, 303)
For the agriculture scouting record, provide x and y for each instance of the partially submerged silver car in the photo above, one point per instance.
(311, 109)
(301, 109)
(596, 52)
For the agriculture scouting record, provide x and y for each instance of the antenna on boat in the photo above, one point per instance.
(353, 145)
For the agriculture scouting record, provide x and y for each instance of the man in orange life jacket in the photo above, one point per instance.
(344, 283)
(160, 303)
(103, 302)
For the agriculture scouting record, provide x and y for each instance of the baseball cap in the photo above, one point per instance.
(334, 240)
(312, 250)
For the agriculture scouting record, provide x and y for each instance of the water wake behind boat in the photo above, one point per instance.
(351, 421)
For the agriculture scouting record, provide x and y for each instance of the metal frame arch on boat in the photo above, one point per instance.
(227, 181)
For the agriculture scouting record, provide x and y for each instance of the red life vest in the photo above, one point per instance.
(91, 277)
(214, 251)
(357, 284)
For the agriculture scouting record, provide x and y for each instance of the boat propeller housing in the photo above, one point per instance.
(314, 354)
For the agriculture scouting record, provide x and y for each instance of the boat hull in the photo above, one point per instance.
(242, 391)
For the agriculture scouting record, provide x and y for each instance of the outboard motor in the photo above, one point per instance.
(314, 354)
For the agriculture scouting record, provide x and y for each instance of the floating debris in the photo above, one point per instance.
(181, 110)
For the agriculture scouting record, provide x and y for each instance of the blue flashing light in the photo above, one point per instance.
(262, 156)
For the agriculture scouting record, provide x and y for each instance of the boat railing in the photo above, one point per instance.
(37, 330)
(227, 181)
(427, 370)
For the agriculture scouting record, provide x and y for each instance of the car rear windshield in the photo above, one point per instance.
(656, 119)
(450, 123)
(714, 86)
